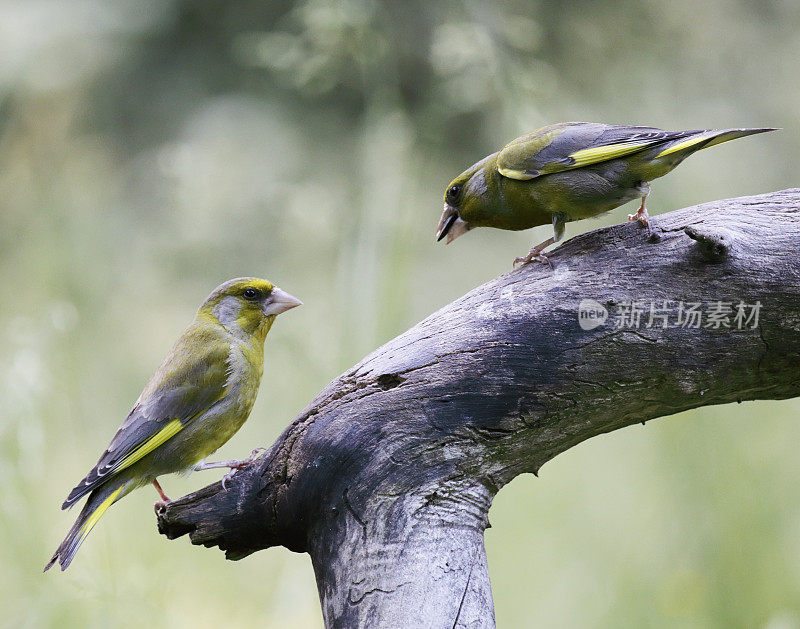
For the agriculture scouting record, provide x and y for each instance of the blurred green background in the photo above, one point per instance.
(151, 150)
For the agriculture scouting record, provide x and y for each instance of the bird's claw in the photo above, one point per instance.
(227, 477)
(253, 455)
(238, 465)
(533, 255)
(640, 215)
(160, 506)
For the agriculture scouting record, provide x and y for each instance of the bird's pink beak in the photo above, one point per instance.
(451, 225)
(280, 301)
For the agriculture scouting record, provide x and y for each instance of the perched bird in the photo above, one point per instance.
(198, 398)
(565, 172)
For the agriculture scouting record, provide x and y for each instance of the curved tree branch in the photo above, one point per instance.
(386, 478)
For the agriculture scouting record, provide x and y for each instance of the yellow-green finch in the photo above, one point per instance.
(565, 172)
(198, 398)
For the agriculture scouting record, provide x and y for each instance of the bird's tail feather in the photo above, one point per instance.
(99, 501)
(704, 139)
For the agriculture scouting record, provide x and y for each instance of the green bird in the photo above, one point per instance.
(198, 398)
(566, 172)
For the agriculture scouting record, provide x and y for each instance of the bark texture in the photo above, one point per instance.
(386, 478)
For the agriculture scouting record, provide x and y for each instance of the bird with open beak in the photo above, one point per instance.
(567, 172)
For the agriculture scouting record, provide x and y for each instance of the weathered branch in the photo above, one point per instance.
(386, 478)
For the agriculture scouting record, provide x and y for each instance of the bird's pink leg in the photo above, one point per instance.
(160, 491)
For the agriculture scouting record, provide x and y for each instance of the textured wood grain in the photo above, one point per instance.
(386, 478)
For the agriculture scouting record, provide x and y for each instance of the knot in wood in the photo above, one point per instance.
(713, 243)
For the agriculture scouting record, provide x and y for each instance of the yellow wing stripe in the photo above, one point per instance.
(596, 154)
(167, 432)
(684, 145)
(98, 513)
(520, 175)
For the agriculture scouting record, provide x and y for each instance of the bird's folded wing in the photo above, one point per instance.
(180, 391)
(570, 145)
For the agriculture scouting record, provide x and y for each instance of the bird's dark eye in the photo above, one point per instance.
(252, 294)
(453, 192)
